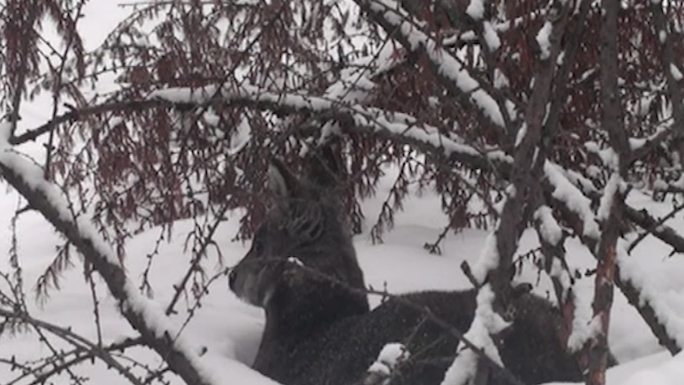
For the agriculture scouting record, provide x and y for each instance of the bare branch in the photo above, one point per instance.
(93, 349)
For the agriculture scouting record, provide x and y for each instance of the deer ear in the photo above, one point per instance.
(326, 168)
(306, 222)
(281, 181)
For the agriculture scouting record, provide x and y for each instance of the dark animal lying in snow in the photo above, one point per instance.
(319, 332)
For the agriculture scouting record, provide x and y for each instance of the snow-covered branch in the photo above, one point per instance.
(575, 204)
(631, 272)
(552, 241)
(143, 315)
(466, 366)
(457, 78)
(381, 122)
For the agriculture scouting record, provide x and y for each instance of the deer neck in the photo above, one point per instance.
(306, 309)
(295, 316)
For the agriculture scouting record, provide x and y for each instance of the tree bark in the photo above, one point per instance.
(612, 121)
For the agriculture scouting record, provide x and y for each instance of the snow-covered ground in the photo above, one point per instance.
(229, 330)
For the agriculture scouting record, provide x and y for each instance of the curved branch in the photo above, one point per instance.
(454, 75)
(143, 316)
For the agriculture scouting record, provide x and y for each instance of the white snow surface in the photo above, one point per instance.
(5, 128)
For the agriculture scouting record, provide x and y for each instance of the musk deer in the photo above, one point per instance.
(319, 328)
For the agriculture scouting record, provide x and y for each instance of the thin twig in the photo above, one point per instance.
(654, 227)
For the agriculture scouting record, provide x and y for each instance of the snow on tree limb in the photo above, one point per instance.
(486, 322)
(613, 189)
(579, 205)
(550, 230)
(391, 356)
(377, 120)
(143, 315)
(488, 259)
(543, 40)
(633, 273)
(399, 24)
(573, 199)
(583, 331)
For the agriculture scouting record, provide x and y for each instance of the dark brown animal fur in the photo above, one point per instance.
(319, 332)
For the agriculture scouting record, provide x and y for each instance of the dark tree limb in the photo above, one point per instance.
(80, 114)
(560, 91)
(553, 251)
(528, 163)
(596, 351)
(654, 226)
